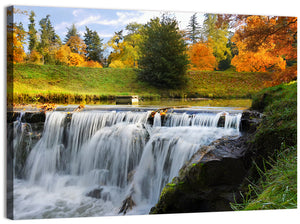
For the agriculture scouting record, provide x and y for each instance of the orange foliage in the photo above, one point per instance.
(259, 61)
(278, 32)
(285, 76)
(201, 57)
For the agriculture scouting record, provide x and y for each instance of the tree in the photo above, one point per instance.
(201, 57)
(50, 42)
(32, 33)
(217, 35)
(194, 29)
(131, 44)
(76, 45)
(117, 47)
(18, 38)
(62, 56)
(93, 45)
(71, 32)
(259, 61)
(164, 59)
(267, 43)
(272, 30)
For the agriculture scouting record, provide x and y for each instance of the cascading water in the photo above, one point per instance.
(88, 163)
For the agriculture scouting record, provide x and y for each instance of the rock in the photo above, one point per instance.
(96, 193)
(250, 121)
(99, 194)
(127, 204)
(209, 181)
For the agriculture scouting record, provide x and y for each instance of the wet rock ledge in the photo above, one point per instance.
(210, 180)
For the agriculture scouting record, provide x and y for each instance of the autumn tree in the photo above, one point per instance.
(93, 45)
(217, 35)
(201, 57)
(19, 37)
(131, 44)
(269, 42)
(163, 61)
(193, 29)
(116, 44)
(62, 56)
(77, 45)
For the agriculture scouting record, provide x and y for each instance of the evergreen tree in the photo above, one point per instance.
(93, 45)
(49, 40)
(32, 33)
(163, 60)
(194, 29)
(72, 32)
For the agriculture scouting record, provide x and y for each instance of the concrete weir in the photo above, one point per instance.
(131, 100)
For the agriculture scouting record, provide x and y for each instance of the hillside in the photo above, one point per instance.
(53, 83)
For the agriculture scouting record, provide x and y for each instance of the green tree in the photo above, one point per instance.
(193, 29)
(50, 42)
(71, 32)
(93, 45)
(164, 60)
(32, 32)
(217, 36)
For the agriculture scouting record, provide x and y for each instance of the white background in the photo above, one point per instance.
(259, 7)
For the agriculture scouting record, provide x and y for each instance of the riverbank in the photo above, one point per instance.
(273, 180)
(55, 84)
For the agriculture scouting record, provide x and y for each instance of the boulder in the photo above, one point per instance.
(209, 181)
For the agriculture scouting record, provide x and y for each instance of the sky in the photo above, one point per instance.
(104, 21)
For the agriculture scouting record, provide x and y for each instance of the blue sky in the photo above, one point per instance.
(104, 21)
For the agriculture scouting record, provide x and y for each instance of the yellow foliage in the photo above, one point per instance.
(35, 57)
(18, 50)
(76, 59)
(77, 45)
(63, 54)
(116, 64)
(201, 57)
(91, 64)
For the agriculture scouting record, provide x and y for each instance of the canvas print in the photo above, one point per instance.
(128, 112)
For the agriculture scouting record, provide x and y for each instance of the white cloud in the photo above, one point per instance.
(88, 20)
(76, 12)
(62, 26)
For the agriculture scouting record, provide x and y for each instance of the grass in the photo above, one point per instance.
(53, 81)
(277, 187)
(276, 142)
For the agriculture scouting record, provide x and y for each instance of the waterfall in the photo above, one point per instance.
(87, 163)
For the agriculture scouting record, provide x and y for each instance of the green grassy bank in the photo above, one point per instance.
(54, 83)
(276, 142)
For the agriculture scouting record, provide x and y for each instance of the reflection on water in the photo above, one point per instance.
(243, 103)
(192, 102)
(235, 104)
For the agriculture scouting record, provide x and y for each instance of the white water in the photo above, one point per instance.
(116, 152)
